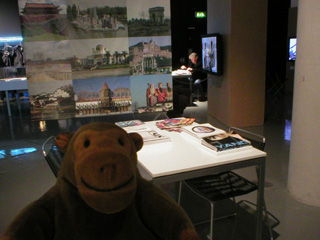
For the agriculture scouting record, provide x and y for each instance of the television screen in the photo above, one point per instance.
(212, 53)
(292, 49)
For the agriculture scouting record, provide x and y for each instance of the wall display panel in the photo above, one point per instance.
(87, 43)
(100, 96)
(150, 55)
(51, 100)
(152, 93)
(43, 20)
(149, 18)
(97, 58)
(97, 19)
(48, 61)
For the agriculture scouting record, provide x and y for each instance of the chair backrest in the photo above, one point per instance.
(256, 140)
(52, 155)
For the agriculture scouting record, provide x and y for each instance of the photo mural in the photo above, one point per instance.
(97, 57)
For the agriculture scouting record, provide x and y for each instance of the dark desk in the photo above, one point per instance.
(184, 74)
(10, 84)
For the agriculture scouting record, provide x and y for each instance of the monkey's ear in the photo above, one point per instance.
(62, 141)
(137, 140)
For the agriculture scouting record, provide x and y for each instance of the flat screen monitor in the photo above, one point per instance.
(212, 53)
(292, 48)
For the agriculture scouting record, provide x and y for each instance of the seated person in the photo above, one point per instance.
(197, 75)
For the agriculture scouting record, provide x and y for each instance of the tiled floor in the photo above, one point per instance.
(25, 177)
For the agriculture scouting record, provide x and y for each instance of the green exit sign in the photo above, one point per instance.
(201, 14)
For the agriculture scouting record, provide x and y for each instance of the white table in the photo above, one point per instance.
(184, 158)
(12, 84)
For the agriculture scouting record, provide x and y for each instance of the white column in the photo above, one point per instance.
(304, 165)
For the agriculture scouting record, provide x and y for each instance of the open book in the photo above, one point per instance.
(152, 136)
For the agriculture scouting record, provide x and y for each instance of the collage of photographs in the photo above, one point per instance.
(96, 57)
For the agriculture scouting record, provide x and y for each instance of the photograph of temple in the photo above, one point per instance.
(42, 21)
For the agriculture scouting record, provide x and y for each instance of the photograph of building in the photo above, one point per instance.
(151, 18)
(101, 96)
(92, 58)
(150, 55)
(51, 100)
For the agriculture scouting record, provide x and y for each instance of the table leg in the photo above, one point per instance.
(191, 92)
(8, 103)
(260, 198)
(18, 100)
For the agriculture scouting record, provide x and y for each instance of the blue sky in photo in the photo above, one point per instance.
(95, 84)
(139, 85)
(160, 41)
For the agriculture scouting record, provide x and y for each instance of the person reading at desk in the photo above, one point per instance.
(198, 76)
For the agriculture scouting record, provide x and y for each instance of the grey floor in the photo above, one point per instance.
(26, 176)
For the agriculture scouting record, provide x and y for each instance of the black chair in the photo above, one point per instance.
(52, 155)
(228, 184)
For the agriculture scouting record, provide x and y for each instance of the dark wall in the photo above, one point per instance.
(186, 30)
(277, 44)
(9, 18)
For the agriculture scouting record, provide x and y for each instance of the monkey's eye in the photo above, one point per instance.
(86, 143)
(120, 141)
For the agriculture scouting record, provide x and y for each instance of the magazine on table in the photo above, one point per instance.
(130, 123)
(225, 142)
(174, 124)
(133, 125)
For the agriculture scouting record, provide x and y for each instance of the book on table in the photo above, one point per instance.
(225, 142)
(199, 131)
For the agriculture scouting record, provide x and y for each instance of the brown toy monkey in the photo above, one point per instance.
(99, 194)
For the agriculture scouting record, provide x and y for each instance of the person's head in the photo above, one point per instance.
(193, 57)
(160, 85)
